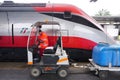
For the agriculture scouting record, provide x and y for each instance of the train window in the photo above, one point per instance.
(67, 14)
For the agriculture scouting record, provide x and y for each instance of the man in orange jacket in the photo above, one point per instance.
(43, 41)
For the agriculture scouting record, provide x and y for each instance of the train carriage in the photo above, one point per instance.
(80, 32)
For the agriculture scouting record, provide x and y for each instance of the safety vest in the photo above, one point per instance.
(43, 36)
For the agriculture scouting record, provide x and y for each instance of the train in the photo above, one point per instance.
(80, 31)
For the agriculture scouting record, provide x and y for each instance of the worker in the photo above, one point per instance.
(43, 38)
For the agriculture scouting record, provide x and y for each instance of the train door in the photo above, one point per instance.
(4, 30)
(21, 22)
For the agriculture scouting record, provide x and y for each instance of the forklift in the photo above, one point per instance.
(54, 59)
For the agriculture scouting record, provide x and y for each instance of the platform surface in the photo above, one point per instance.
(20, 71)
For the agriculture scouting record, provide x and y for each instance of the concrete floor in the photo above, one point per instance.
(20, 71)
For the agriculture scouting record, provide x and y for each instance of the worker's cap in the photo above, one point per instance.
(38, 24)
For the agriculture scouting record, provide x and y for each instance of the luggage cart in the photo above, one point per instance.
(101, 71)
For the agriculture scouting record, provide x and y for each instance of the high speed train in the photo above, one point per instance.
(80, 32)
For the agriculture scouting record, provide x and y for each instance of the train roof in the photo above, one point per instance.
(12, 4)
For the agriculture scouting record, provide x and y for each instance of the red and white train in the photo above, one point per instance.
(80, 32)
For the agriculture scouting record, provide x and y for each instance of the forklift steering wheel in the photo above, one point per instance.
(38, 42)
(35, 46)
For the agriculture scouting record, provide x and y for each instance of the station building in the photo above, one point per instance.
(111, 24)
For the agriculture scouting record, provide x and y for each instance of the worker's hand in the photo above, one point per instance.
(41, 41)
(39, 46)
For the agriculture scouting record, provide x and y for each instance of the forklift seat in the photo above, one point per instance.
(52, 50)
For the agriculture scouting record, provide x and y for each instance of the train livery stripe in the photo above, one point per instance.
(68, 42)
(61, 8)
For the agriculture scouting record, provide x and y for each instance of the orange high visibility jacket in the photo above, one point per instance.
(44, 38)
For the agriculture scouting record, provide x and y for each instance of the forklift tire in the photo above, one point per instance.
(35, 72)
(62, 72)
(103, 75)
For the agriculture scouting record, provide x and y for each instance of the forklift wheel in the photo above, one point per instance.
(35, 72)
(103, 75)
(62, 72)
